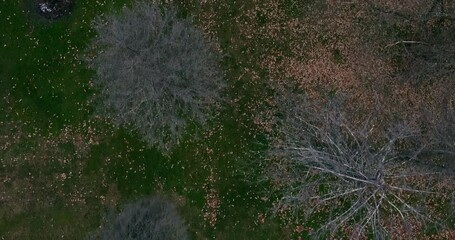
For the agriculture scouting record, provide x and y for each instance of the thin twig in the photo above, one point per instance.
(405, 42)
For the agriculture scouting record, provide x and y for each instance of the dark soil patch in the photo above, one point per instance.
(53, 9)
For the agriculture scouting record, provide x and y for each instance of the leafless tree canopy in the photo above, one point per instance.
(360, 181)
(156, 72)
(147, 219)
(439, 126)
(425, 46)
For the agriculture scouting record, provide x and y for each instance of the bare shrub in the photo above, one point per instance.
(152, 219)
(356, 176)
(156, 72)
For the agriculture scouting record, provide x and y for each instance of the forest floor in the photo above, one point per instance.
(63, 169)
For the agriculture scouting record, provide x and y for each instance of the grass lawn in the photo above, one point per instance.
(64, 169)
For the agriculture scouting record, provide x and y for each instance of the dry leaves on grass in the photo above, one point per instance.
(40, 170)
(212, 201)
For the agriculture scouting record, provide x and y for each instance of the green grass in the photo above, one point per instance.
(47, 87)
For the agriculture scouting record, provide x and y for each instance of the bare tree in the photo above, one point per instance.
(439, 128)
(360, 181)
(424, 35)
(152, 219)
(157, 72)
